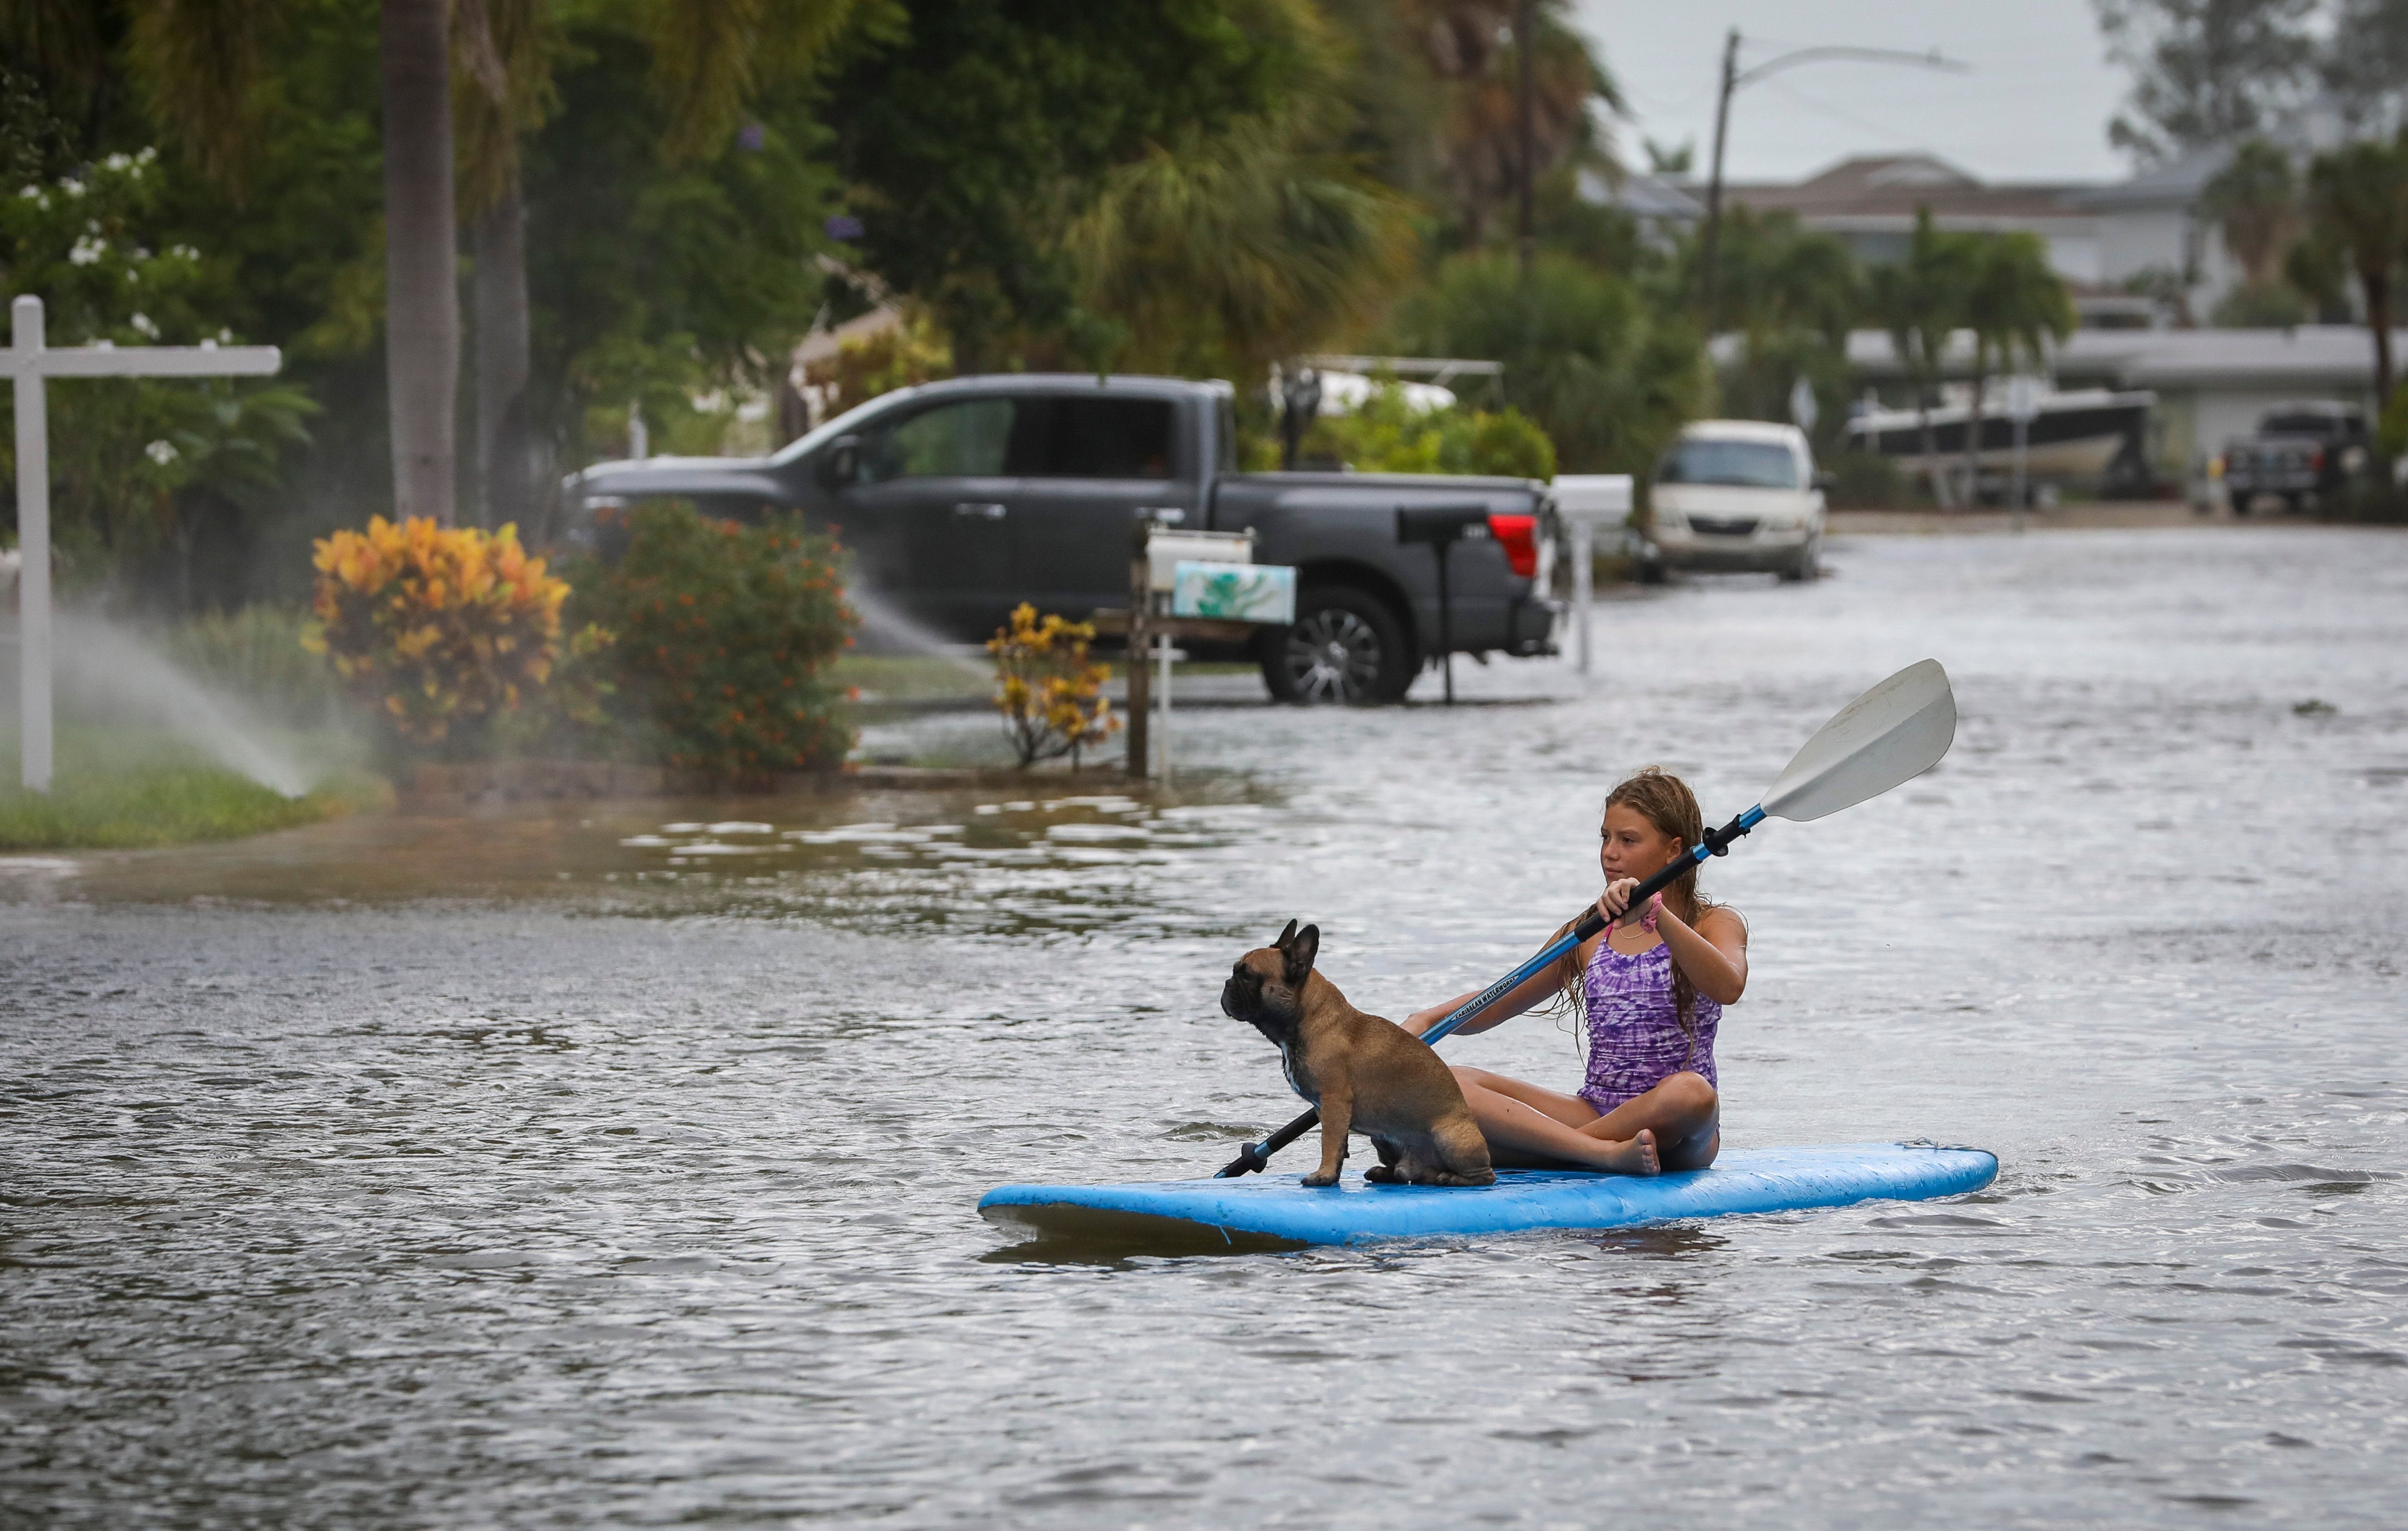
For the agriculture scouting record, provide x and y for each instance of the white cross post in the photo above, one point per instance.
(29, 363)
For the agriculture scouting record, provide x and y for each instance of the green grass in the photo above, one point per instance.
(121, 790)
(926, 678)
(911, 677)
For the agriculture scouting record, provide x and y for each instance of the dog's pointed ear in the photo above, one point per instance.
(1285, 937)
(1301, 952)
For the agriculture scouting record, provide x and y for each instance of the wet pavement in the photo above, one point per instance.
(618, 1165)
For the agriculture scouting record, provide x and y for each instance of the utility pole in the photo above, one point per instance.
(1707, 245)
(1733, 78)
(1525, 46)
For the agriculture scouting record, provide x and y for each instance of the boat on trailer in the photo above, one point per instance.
(2075, 435)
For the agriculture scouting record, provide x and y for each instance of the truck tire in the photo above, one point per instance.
(1346, 647)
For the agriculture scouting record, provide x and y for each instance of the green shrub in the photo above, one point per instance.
(1609, 374)
(256, 654)
(2391, 431)
(1388, 435)
(1865, 481)
(726, 635)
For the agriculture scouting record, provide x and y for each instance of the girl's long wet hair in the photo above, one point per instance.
(1665, 802)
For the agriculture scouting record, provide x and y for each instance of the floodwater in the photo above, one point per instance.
(619, 1168)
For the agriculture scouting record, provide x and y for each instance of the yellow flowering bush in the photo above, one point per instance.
(1051, 696)
(439, 629)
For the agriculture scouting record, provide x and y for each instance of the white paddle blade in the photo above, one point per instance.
(1893, 733)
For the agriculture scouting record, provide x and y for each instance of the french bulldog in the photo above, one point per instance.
(1366, 1074)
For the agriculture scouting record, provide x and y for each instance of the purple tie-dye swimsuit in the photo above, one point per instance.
(1634, 1034)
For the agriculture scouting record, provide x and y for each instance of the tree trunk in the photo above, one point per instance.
(505, 466)
(422, 330)
(1930, 442)
(2378, 317)
(1973, 428)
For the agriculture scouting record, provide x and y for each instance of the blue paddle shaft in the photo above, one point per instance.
(1257, 1156)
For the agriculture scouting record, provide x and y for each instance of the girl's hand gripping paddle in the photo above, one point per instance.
(1893, 733)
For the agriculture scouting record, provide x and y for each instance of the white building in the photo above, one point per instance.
(2099, 236)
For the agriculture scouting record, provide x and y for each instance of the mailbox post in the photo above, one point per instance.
(1585, 502)
(31, 364)
(1440, 527)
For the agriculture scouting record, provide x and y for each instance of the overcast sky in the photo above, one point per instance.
(2035, 107)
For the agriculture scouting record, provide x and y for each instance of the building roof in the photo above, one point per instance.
(2325, 355)
(1891, 187)
(2306, 356)
(1642, 197)
(2176, 184)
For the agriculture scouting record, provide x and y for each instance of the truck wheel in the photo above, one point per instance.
(1346, 646)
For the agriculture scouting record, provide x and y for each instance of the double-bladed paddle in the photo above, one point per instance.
(1893, 733)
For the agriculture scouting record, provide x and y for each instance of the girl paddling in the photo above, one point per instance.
(1650, 991)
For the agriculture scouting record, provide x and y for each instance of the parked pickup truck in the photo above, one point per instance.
(960, 499)
(2301, 452)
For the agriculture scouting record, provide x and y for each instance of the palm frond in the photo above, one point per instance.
(503, 50)
(1239, 245)
(200, 65)
(708, 59)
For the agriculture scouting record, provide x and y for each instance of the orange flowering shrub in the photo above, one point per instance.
(726, 636)
(440, 629)
(1051, 698)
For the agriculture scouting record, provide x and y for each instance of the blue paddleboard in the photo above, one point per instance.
(1278, 1207)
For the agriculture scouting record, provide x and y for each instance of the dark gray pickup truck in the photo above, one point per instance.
(2302, 453)
(960, 499)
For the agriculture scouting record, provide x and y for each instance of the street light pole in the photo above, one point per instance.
(1733, 78)
(1707, 246)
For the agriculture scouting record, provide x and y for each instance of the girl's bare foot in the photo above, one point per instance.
(1635, 1156)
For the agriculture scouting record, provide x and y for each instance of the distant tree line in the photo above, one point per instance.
(487, 232)
(2315, 235)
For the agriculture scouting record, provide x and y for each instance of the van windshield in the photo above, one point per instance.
(1749, 465)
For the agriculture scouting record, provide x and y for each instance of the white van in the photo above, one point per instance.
(1739, 495)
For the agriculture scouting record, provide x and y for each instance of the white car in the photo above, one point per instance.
(1739, 495)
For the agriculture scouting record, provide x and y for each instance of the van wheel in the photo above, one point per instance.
(1346, 647)
(1807, 565)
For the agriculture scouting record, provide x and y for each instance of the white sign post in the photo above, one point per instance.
(1584, 502)
(2023, 408)
(30, 363)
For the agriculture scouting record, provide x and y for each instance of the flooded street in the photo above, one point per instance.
(619, 1167)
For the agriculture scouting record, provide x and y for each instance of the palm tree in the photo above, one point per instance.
(2357, 198)
(422, 332)
(1234, 251)
(1791, 294)
(1480, 137)
(503, 48)
(201, 65)
(1920, 302)
(2014, 304)
(2255, 204)
(707, 63)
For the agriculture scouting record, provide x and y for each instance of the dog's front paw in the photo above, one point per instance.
(1382, 1174)
(1317, 1179)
